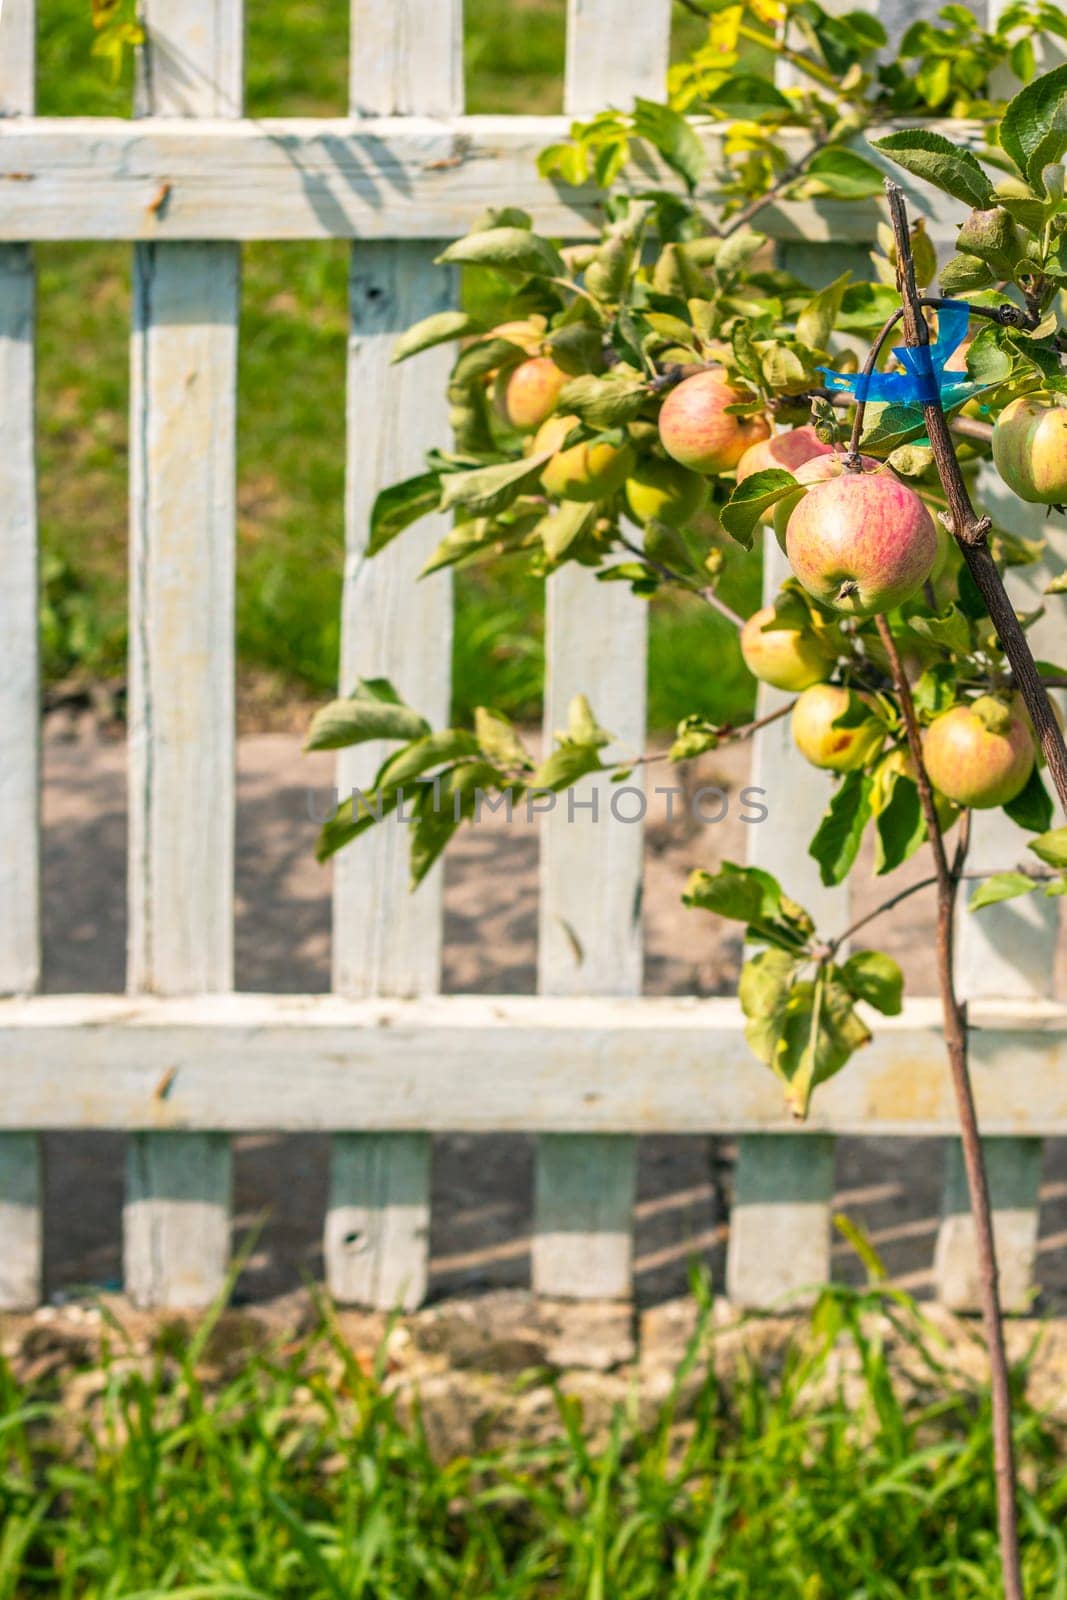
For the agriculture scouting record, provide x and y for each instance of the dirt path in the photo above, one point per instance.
(481, 1214)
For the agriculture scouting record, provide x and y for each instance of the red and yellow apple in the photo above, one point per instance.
(786, 658)
(662, 491)
(817, 469)
(698, 432)
(979, 755)
(587, 471)
(1030, 450)
(835, 749)
(862, 542)
(527, 394)
(784, 450)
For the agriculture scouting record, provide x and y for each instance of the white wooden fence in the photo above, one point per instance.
(181, 1063)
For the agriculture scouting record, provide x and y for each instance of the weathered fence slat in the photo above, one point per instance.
(1004, 951)
(591, 863)
(20, 929)
(405, 56)
(181, 746)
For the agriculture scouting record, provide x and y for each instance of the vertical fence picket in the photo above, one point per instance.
(590, 927)
(406, 57)
(20, 933)
(779, 1240)
(1004, 951)
(181, 755)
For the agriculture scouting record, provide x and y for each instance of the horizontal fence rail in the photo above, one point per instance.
(373, 178)
(477, 1064)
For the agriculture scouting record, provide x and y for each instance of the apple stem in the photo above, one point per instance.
(955, 1029)
(968, 528)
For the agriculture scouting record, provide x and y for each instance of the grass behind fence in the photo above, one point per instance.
(293, 1473)
(291, 401)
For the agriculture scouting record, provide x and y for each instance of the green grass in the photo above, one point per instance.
(291, 402)
(290, 1472)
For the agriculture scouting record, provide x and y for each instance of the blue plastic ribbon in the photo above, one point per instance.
(923, 380)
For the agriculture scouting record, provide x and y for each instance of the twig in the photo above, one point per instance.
(955, 1029)
(795, 170)
(968, 528)
(707, 594)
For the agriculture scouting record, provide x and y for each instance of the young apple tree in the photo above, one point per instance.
(646, 404)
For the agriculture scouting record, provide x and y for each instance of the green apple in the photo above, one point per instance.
(1030, 450)
(587, 471)
(979, 755)
(786, 658)
(662, 491)
(835, 749)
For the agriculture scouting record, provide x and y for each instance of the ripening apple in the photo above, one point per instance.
(979, 755)
(862, 542)
(835, 749)
(817, 469)
(527, 394)
(586, 471)
(698, 431)
(784, 450)
(662, 491)
(1030, 450)
(786, 658)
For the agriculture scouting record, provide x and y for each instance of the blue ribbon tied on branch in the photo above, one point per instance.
(923, 380)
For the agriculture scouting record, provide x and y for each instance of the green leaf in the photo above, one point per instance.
(747, 96)
(817, 320)
(674, 138)
(562, 529)
(1051, 847)
(438, 329)
(962, 273)
(487, 490)
(397, 507)
(576, 348)
(750, 500)
(496, 736)
(837, 839)
(605, 402)
(372, 711)
(509, 250)
(1033, 130)
(349, 821)
(582, 725)
(1001, 886)
(763, 990)
(565, 766)
(950, 629)
(844, 174)
(1032, 809)
(987, 362)
(876, 978)
(899, 826)
(866, 305)
(819, 1032)
(935, 690)
(744, 894)
(937, 160)
(433, 750)
(441, 809)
